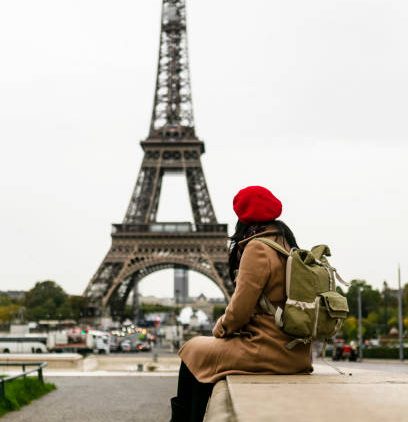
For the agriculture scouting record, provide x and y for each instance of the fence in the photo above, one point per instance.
(23, 374)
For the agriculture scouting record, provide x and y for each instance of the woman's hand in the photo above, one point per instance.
(218, 330)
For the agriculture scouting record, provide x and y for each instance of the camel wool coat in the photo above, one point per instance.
(246, 340)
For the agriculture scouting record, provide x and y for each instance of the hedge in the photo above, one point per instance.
(379, 353)
(22, 391)
(384, 353)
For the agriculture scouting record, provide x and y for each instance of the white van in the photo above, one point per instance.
(98, 341)
(13, 344)
(93, 341)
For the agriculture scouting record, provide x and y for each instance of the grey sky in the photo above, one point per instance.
(308, 98)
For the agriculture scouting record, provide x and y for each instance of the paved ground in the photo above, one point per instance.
(134, 396)
(102, 399)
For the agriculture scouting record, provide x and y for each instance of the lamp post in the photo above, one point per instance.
(360, 328)
(400, 319)
(177, 342)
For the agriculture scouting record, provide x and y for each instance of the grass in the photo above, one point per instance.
(22, 391)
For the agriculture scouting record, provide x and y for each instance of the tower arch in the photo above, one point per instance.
(118, 298)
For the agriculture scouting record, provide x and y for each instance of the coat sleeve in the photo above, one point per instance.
(254, 272)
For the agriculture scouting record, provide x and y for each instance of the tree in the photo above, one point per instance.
(218, 310)
(78, 305)
(47, 300)
(8, 313)
(350, 328)
(370, 325)
(5, 299)
(370, 298)
(157, 308)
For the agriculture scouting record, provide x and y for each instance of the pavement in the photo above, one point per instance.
(102, 399)
(115, 390)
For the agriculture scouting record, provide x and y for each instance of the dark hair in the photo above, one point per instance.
(243, 231)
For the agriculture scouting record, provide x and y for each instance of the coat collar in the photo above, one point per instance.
(268, 232)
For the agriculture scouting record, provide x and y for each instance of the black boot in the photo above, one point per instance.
(178, 412)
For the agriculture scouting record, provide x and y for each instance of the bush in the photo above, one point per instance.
(21, 392)
(379, 353)
(384, 353)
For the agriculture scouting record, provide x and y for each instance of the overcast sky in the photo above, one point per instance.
(308, 98)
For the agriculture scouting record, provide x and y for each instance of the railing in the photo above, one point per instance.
(153, 227)
(39, 370)
(218, 228)
(177, 227)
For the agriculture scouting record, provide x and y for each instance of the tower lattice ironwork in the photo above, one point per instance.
(141, 244)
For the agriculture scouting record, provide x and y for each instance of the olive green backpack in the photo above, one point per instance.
(314, 310)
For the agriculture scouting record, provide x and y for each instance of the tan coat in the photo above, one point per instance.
(260, 347)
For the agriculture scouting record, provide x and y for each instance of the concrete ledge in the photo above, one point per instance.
(54, 360)
(102, 363)
(219, 408)
(310, 398)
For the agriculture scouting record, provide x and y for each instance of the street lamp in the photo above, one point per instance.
(177, 342)
(360, 328)
(400, 318)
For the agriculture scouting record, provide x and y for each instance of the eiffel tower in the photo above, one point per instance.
(142, 245)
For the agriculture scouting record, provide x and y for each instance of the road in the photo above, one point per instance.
(102, 399)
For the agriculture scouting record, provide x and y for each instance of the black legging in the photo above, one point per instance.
(192, 397)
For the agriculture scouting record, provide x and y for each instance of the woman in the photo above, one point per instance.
(246, 340)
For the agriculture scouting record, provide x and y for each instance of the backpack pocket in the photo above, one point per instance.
(336, 304)
(330, 314)
(298, 318)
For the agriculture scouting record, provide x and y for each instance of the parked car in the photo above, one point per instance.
(143, 347)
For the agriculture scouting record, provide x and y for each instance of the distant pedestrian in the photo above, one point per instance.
(246, 340)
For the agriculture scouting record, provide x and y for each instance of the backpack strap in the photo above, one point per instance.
(269, 309)
(264, 302)
(273, 245)
(297, 341)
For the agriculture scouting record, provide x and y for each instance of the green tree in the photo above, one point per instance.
(389, 303)
(46, 300)
(8, 313)
(5, 300)
(370, 298)
(350, 327)
(78, 305)
(370, 325)
(218, 310)
(340, 290)
(393, 322)
(157, 307)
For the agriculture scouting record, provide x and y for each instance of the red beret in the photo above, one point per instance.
(256, 204)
